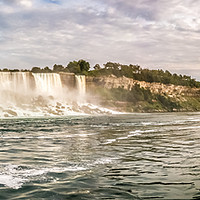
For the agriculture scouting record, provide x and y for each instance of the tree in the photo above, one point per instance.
(14, 70)
(84, 65)
(58, 68)
(47, 70)
(74, 67)
(110, 65)
(97, 67)
(78, 67)
(36, 70)
(25, 70)
(5, 70)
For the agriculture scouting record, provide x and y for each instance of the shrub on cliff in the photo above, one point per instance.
(167, 103)
(141, 99)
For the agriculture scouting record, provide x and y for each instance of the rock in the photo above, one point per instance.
(11, 112)
(110, 82)
(58, 104)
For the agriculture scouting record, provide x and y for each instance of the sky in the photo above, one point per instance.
(155, 34)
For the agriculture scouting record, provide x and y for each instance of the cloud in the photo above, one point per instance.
(26, 3)
(181, 14)
(162, 34)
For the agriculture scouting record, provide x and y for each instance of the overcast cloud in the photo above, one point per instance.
(152, 33)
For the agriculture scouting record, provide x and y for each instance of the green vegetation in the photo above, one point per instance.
(191, 103)
(76, 67)
(137, 73)
(138, 99)
(79, 67)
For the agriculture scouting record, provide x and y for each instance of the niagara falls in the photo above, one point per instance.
(99, 99)
(29, 93)
(26, 94)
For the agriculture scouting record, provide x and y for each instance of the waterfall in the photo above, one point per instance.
(43, 94)
(15, 82)
(48, 84)
(39, 83)
(14, 86)
(80, 84)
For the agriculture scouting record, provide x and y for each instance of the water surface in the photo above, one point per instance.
(137, 156)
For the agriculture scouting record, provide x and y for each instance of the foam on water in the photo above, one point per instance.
(189, 127)
(11, 182)
(53, 108)
(139, 132)
(131, 134)
(104, 160)
(14, 176)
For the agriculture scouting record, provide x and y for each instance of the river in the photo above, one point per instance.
(133, 156)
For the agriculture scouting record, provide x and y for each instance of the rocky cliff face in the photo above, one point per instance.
(68, 79)
(128, 83)
(123, 94)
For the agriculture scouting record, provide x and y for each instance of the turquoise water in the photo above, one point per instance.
(137, 156)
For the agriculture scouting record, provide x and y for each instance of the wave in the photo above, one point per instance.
(15, 176)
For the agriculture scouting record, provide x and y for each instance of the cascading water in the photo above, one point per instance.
(80, 84)
(13, 85)
(48, 84)
(11, 81)
(43, 94)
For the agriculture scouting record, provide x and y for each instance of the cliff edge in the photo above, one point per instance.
(127, 94)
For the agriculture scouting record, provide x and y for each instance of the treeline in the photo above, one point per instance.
(77, 67)
(118, 70)
(137, 73)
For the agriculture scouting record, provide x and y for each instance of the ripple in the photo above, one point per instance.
(140, 156)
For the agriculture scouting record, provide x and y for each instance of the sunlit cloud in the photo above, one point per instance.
(26, 3)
